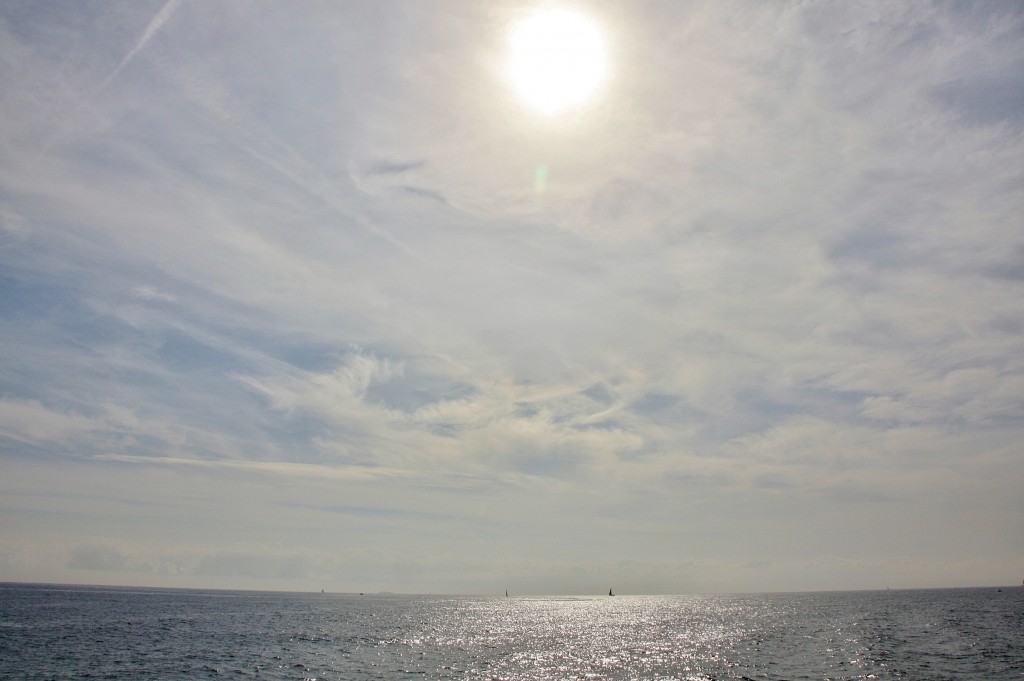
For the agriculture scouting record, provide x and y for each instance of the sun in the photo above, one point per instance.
(557, 59)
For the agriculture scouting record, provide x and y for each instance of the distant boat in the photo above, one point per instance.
(610, 592)
(506, 593)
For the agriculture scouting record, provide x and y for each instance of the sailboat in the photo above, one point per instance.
(610, 592)
(506, 593)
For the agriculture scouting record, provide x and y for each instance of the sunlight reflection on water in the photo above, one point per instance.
(621, 637)
(66, 632)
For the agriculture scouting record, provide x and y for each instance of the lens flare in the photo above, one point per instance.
(540, 179)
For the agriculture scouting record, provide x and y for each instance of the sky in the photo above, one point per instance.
(306, 295)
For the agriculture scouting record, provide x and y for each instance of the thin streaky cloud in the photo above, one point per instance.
(155, 24)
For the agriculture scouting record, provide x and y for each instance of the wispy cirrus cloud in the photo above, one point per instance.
(767, 284)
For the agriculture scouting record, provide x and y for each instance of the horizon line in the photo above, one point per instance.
(499, 594)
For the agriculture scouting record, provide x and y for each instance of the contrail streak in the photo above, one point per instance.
(154, 25)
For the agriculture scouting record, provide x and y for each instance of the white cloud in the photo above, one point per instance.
(154, 25)
(774, 275)
(31, 422)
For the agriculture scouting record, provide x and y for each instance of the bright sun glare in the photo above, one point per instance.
(557, 59)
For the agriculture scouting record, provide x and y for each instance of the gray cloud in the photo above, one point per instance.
(986, 99)
(97, 557)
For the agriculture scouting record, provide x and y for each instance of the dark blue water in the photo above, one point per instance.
(51, 632)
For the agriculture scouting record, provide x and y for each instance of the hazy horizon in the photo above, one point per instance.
(357, 296)
(498, 594)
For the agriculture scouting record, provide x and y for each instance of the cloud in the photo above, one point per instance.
(254, 564)
(304, 257)
(29, 421)
(97, 556)
(150, 293)
(154, 25)
(272, 469)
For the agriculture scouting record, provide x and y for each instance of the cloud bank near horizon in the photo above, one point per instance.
(284, 304)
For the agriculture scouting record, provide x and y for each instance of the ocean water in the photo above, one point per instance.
(59, 632)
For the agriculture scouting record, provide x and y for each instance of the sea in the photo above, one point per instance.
(76, 632)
